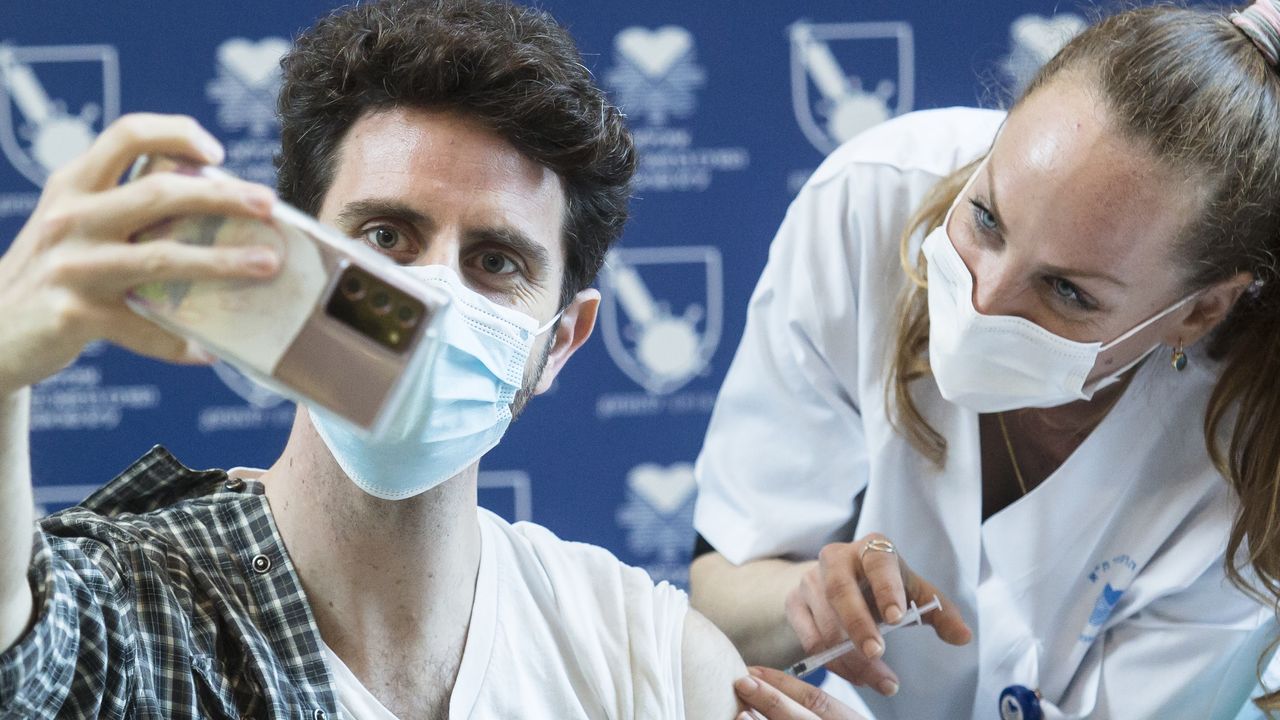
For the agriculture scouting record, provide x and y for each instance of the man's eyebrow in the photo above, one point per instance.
(358, 211)
(535, 253)
(1050, 269)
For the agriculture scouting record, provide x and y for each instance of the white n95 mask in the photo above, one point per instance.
(456, 405)
(993, 363)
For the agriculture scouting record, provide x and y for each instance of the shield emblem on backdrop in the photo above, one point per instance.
(661, 313)
(54, 100)
(846, 77)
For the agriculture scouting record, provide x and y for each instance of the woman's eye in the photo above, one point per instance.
(497, 263)
(1067, 292)
(983, 217)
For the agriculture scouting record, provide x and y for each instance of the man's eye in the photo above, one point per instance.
(497, 263)
(382, 237)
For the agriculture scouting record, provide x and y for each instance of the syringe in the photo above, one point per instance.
(810, 665)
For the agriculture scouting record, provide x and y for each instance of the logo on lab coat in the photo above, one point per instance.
(1033, 41)
(244, 90)
(658, 518)
(655, 78)
(661, 313)
(846, 77)
(55, 100)
(1105, 605)
(1110, 577)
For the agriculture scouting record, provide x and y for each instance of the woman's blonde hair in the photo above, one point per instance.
(1191, 88)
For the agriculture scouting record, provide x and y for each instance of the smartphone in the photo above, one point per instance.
(338, 326)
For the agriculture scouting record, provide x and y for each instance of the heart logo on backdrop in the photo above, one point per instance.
(654, 52)
(1043, 36)
(254, 63)
(665, 488)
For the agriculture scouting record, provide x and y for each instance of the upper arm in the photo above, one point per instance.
(69, 661)
(709, 665)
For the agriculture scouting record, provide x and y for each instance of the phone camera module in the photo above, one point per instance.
(381, 301)
(406, 316)
(353, 287)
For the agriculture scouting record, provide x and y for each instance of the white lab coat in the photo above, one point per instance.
(1103, 587)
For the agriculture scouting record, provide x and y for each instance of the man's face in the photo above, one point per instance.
(437, 188)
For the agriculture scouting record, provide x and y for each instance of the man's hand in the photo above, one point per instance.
(854, 586)
(776, 695)
(63, 280)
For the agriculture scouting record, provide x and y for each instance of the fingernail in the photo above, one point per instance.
(746, 685)
(260, 259)
(872, 648)
(892, 614)
(258, 200)
(887, 688)
(755, 671)
(212, 149)
(200, 355)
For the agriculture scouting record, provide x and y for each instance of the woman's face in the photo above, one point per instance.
(1070, 226)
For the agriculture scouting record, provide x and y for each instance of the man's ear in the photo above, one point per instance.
(575, 326)
(1206, 311)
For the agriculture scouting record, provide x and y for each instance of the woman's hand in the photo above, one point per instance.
(776, 695)
(64, 278)
(847, 593)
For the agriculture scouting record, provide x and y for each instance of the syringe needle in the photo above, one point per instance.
(810, 665)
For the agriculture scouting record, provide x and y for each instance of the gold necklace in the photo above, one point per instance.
(1008, 444)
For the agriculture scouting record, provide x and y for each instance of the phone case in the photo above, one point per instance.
(337, 326)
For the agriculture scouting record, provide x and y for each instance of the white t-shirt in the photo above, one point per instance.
(558, 630)
(1103, 587)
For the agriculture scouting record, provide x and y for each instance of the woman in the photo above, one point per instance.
(1042, 429)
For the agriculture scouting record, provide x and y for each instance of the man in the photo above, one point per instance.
(464, 139)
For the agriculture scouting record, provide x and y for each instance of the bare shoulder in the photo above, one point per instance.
(710, 664)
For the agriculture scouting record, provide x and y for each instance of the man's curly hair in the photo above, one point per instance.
(510, 67)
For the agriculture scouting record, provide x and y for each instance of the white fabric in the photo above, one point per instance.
(800, 453)
(558, 630)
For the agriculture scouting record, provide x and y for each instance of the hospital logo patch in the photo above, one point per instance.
(661, 313)
(244, 91)
(54, 100)
(656, 79)
(657, 516)
(847, 77)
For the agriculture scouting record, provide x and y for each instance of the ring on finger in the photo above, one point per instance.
(878, 545)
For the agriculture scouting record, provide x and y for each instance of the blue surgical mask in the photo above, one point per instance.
(456, 405)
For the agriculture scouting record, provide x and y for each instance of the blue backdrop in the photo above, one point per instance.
(733, 105)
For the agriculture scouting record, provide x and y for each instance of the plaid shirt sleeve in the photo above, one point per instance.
(73, 661)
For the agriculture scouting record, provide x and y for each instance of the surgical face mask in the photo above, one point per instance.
(993, 363)
(457, 403)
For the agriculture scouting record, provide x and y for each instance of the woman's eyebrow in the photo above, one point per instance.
(1051, 269)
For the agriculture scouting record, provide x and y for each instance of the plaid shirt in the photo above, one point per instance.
(167, 594)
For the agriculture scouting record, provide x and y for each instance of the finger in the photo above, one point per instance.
(106, 271)
(124, 210)
(840, 581)
(883, 571)
(139, 335)
(947, 621)
(830, 631)
(779, 696)
(138, 134)
(860, 670)
(800, 616)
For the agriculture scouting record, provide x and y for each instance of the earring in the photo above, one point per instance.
(1179, 359)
